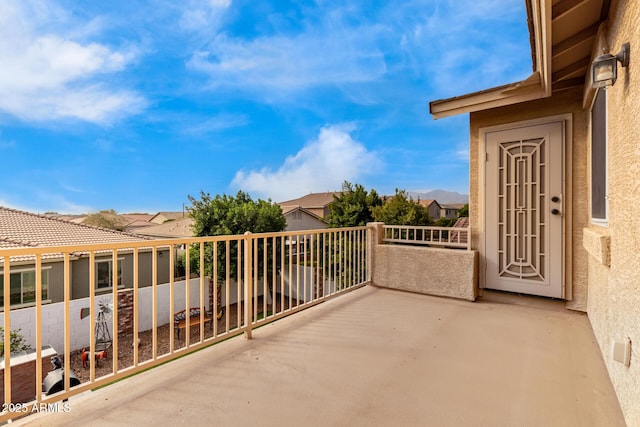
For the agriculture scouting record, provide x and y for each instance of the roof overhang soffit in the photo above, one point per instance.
(536, 86)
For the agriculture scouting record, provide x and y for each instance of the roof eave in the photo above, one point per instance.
(536, 86)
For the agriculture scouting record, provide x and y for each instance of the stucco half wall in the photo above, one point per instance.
(425, 270)
(431, 271)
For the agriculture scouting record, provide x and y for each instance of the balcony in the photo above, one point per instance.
(327, 345)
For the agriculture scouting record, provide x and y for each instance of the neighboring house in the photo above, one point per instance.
(171, 229)
(24, 229)
(555, 177)
(315, 205)
(299, 218)
(449, 211)
(161, 217)
(433, 208)
(133, 222)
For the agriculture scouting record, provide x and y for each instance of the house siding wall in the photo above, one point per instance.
(80, 272)
(614, 290)
(305, 223)
(569, 101)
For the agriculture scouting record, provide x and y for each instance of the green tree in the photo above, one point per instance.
(464, 211)
(445, 222)
(353, 206)
(228, 215)
(401, 209)
(107, 218)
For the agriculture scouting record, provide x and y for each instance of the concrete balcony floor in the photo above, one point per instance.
(377, 357)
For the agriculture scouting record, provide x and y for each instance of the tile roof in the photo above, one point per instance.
(28, 229)
(312, 200)
(161, 217)
(169, 229)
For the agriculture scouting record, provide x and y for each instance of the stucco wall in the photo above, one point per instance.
(53, 315)
(614, 292)
(568, 101)
(426, 270)
(431, 271)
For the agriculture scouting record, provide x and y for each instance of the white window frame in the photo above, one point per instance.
(600, 221)
(109, 261)
(21, 271)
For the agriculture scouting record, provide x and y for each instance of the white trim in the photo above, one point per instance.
(25, 270)
(110, 261)
(25, 305)
(22, 270)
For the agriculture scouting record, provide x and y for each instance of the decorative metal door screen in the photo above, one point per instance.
(523, 216)
(521, 222)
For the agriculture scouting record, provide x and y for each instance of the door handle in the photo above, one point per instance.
(555, 211)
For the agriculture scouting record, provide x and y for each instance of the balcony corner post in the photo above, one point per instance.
(375, 237)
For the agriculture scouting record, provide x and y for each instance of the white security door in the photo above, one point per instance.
(524, 208)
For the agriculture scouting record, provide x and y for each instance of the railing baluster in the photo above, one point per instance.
(187, 297)
(7, 328)
(214, 277)
(135, 306)
(227, 256)
(92, 321)
(38, 327)
(172, 308)
(154, 303)
(203, 310)
(67, 315)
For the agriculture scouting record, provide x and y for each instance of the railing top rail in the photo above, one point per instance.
(149, 244)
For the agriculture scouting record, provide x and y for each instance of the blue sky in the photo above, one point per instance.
(133, 105)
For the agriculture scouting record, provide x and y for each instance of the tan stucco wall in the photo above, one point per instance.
(425, 270)
(614, 292)
(431, 271)
(569, 101)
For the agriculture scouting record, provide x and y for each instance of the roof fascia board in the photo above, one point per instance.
(536, 86)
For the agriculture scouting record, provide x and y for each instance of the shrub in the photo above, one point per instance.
(18, 343)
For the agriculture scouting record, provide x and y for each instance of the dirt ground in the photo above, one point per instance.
(145, 346)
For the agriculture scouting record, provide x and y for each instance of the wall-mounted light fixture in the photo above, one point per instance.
(604, 70)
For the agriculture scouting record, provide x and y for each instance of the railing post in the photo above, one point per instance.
(375, 231)
(248, 286)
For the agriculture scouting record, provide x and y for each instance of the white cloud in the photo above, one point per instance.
(456, 47)
(327, 53)
(323, 164)
(204, 15)
(45, 75)
(462, 152)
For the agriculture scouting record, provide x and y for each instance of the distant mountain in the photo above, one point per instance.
(441, 196)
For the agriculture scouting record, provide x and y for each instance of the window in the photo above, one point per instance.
(104, 273)
(23, 286)
(599, 205)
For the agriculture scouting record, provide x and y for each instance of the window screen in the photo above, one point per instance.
(599, 157)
